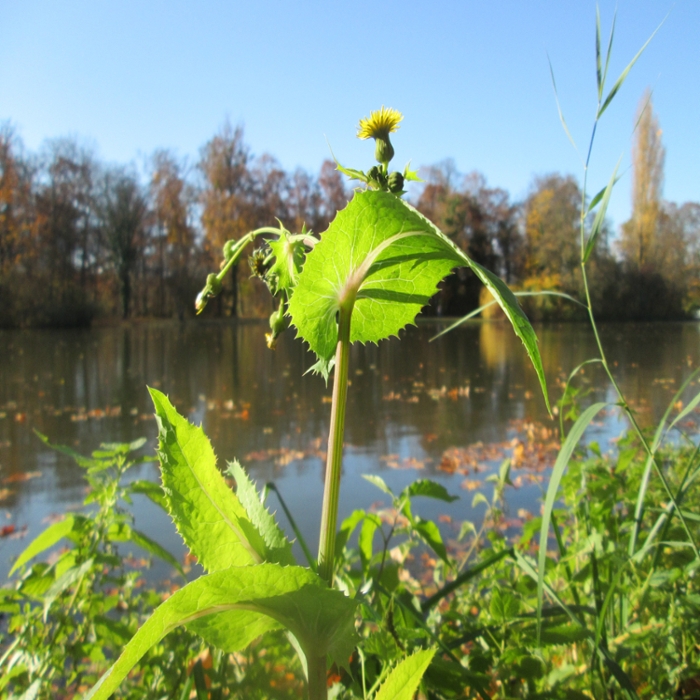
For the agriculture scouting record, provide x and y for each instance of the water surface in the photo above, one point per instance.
(449, 410)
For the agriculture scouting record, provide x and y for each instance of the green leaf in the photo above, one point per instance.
(478, 499)
(384, 259)
(64, 582)
(410, 175)
(249, 600)
(430, 489)
(567, 449)
(351, 172)
(692, 405)
(600, 215)
(278, 547)
(205, 511)
(289, 259)
(378, 253)
(379, 483)
(428, 531)
(477, 311)
(504, 606)
(623, 75)
(561, 114)
(404, 679)
(346, 529)
(371, 524)
(49, 537)
(510, 306)
(598, 62)
(80, 460)
(152, 491)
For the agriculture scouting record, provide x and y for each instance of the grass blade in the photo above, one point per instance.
(463, 578)
(644, 484)
(561, 114)
(476, 312)
(608, 54)
(600, 215)
(560, 465)
(688, 409)
(311, 560)
(623, 75)
(598, 67)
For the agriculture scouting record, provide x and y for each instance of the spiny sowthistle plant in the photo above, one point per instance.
(364, 279)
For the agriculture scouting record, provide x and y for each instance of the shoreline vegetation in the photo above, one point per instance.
(82, 241)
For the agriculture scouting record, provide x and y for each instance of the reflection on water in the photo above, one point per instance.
(410, 403)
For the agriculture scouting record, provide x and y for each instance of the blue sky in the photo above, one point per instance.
(471, 78)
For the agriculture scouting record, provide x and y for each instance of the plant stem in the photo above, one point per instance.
(318, 688)
(334, 460)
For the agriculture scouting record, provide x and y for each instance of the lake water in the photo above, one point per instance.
(449, 410)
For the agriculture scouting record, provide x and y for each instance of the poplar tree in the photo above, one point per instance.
(640, 233)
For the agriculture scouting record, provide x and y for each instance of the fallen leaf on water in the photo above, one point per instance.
(471, 484)
(14, 478)
(5, 493)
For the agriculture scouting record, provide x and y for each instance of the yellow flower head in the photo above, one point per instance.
(379, 124)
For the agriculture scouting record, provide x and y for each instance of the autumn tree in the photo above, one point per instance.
(18, 226)
(552, 228)
(122, 212)
(639, 235)
(172, 199)
(16, 206)
(479, 219)
(677, 257)
(68, 251)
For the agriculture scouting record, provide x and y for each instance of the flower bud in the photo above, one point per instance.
(396, 182)
(213, 285)
(228, 249)
(383, 150)
(278, 324)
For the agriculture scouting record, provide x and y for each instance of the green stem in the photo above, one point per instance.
(331, 491)
(318, 688)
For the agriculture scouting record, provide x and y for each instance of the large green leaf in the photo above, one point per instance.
(384, 259)
(235, 606)
(378, 252)
(403, 681)
(206, 512)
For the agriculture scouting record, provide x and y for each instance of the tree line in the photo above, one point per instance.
(81, 239)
